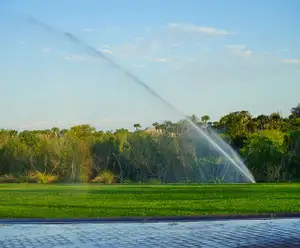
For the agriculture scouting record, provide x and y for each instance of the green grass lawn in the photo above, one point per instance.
(51, 201)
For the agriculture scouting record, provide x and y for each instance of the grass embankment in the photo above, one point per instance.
(58, 201)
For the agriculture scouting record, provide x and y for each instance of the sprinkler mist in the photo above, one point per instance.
(214, 161)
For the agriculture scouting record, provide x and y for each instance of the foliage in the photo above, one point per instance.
(45, 178)
(168, 152)
(8, 179)
(265, 153)
(105, 177)
(154, 181)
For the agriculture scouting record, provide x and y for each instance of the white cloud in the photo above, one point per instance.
(75, 57)
(183, 28)
(291, 61)
(241, 51)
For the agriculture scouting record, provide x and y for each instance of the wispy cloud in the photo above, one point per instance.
(184, 28)
(139, 39)
(41, 124)
(96, 122)
(134, 50)
(46, 50)
(105, 48)
(91, 30)
(159, 60)
(156, 42)
(241, 51)
(291, 61)
(75, 57)
(103, 29)
(139, 65)
(107, 51)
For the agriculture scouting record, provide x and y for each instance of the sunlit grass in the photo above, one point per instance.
(51, 201)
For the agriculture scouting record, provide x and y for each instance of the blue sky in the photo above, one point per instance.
(205, 57)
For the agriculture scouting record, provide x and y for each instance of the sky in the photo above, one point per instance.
(204, 57)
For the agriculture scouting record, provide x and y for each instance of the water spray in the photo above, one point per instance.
(96, 53)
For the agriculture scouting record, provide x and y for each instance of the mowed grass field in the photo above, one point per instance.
(58, 201)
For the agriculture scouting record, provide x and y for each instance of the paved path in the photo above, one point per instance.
(234, 233)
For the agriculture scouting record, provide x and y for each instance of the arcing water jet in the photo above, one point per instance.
(213, 140)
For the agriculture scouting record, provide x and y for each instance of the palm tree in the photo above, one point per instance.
(193, 118)
(275, 119)
(156, 125)
(137, 126)
(55, 131)
(205, 119)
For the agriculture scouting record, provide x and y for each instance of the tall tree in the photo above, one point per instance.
(295, 111)
(137, 126)
(205, 118)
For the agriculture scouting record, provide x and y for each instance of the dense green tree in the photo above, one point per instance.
(295, 111)
(264, 154)
(170, 151)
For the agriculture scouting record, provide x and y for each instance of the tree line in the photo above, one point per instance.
(268, 144)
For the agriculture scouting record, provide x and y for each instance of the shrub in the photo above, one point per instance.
(106, 177)
(127, 181)
(28, 179)
(45, 178)
(8, 179)
(154, 181)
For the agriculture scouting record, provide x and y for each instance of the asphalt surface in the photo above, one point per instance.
(189, 233)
